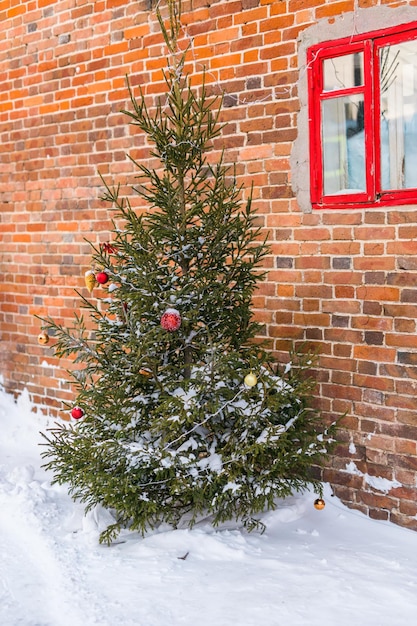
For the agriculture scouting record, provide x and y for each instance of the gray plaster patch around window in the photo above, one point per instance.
(353, 23)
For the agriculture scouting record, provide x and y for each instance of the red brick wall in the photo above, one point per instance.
(343, 280)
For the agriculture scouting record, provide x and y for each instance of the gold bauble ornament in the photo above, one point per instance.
(319, 504)
(90, 280)
(43, 338)
(250, 380)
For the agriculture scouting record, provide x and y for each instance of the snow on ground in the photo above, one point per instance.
(329, 568)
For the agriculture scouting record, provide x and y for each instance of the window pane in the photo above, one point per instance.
(398, 76)
(343, 72)
(343, 145)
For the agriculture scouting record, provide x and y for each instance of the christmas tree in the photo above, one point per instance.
(179, 411)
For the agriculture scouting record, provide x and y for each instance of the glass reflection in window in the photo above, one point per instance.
(343, 145)
(398, 80)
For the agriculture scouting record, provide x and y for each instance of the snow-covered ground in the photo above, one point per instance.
(329, 568)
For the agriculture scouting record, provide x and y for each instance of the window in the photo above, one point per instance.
(363, 119)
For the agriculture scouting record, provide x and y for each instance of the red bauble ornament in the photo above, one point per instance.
(171, 320)
(102, 278)
(77, 413)
(107, 247)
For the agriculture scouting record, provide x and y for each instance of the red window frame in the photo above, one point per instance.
(369, 44)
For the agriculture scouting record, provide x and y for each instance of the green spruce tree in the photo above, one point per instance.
(183, 413)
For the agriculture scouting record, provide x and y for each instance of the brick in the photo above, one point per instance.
(375, 278)
(374, 249)
(344, 493)
(405, 477)
(311, 305)
(311, 319)
(342, 350)
(407, 507)
(395, 371)
(374, 338)
(346, 291)
(371, 325)
(337, 248)
(313, 234)
(375, 456)
(335, 8)
(342, 392)
(371, 308)
(404, 446)
(344, 479)
(406, 416)
(378, 514)
(401, 248)
(341, 321)
(402, 279)
(342, 263)
(284, 262)
(342, 233)
(369, 263)
(409, 295)
(400, 310)
(401, 402)
(375, 217)
(407, 357)
(339, 305)
(401, 340)
(374, 383)
(374, 353)
(376, 500)
(378, 293)
(343, 335)
(405, 326)
(403, 520)
(313, 291)
(406, 263)
(317, 262)
(314, 334)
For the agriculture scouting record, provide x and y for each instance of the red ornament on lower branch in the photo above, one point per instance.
(77, 413)
(171, 320)
(102, 278)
